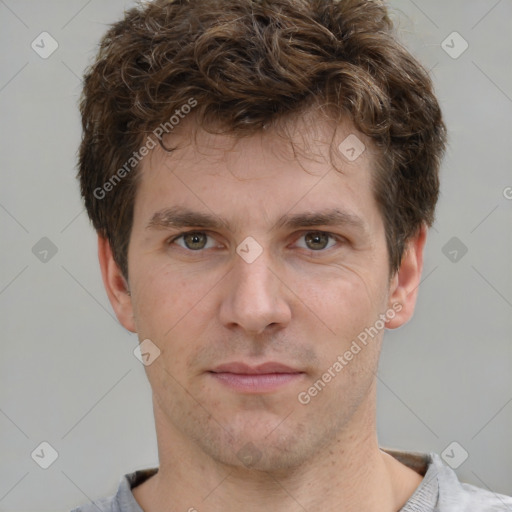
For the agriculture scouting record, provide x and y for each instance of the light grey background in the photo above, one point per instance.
(68, 373)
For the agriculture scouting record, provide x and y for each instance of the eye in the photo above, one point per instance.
(318, 240)
(193, 240)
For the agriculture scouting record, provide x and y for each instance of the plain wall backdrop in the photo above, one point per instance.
(68, 373)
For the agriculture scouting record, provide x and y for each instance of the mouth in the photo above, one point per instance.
(264, 378)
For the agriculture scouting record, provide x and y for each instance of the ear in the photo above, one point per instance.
(404, 284)
(115, 285)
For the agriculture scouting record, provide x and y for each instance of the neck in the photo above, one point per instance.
(349, 474)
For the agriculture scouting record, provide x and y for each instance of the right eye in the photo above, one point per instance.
(193, 240)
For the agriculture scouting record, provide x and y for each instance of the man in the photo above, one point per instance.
(262, 175)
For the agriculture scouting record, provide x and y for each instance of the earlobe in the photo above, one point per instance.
(404, 284)
(115, 285)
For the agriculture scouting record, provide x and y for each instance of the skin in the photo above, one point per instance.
(300, 303)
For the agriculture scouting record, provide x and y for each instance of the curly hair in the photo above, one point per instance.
(245, 65)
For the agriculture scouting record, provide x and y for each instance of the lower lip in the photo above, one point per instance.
(257, 383)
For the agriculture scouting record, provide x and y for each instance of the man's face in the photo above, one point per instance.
(262, 287)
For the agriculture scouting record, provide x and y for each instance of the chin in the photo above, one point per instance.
(264, 449)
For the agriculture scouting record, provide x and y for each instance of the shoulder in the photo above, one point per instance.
(123, 500)
(102, 505)
(458, 496)
(442, 491)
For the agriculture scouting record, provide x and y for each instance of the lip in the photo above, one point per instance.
(264, 378)
(245, 369)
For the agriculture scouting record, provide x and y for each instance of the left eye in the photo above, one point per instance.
(318, 240)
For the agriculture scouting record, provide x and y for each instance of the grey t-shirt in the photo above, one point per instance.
(439, 491)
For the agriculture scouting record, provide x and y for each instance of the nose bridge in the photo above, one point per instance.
(254, 299)
(255, 276)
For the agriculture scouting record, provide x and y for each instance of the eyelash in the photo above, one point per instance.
(337, 238)
(184, 233)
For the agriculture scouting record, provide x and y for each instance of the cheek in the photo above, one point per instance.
(163, 319)
(342, 301)
(163, 299)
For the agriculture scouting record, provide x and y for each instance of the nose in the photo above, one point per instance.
(255, 298)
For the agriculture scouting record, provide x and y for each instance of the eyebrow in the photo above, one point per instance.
(180, 217)
(330, 217)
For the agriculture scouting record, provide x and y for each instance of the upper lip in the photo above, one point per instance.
(245, 369)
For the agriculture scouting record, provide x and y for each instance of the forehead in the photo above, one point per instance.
(312, 164)
(309, 140)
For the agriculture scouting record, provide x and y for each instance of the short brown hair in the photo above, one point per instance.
(247, 64)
